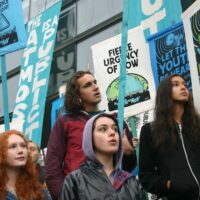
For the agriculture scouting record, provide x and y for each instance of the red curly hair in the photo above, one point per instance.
(27, 185)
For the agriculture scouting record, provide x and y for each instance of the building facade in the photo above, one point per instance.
(82, 23)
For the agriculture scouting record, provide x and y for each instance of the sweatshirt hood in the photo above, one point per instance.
(87, 144)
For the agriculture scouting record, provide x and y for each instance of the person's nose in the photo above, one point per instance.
(184, 87)
(20, 150)
(95, 86)
(111, 132)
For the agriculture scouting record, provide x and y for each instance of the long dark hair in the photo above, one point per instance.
(164, 127)
(72, 101)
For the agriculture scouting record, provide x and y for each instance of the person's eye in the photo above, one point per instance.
(116, 129)
(87, 85)
(185, 85)
(12, 146)
(175, 84)
(23, 145)
(32, 149)
(102, 129)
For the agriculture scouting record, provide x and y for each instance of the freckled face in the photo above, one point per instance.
(17, 151)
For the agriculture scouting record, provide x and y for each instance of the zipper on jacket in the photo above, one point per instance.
(179, 128)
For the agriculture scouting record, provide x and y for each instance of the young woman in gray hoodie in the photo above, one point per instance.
(100, 176)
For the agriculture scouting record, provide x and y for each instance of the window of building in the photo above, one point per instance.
(92, 12)
(62, 68)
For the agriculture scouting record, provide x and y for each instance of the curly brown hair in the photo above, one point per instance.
(27, 185)
(72, 100)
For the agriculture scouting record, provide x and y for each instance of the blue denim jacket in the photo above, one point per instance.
(11, 196)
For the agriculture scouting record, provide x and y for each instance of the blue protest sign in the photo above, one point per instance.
(153, 15)
(35, 70)
(169, 54)
(12, 30)
(57, 109)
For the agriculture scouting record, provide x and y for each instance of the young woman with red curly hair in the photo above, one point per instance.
(18, 176)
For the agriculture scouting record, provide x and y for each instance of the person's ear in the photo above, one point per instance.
(80, 100)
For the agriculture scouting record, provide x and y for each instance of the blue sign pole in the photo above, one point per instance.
(122, 80)
(4, 92)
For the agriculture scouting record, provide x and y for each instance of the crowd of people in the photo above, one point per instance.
(89, 159)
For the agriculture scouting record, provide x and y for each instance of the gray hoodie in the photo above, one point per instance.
(91, 182)
(87, 143)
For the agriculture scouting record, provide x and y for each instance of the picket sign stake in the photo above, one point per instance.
(4, 92)
(122, 77)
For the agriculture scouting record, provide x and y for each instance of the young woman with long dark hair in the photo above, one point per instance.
(169, 162)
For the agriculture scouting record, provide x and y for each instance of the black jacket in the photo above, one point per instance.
(91, 183)
(156, 167)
